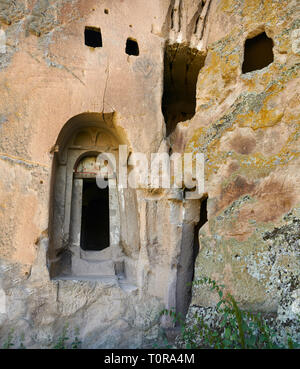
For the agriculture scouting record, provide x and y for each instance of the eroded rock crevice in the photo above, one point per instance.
(181, 68)
(187, 259)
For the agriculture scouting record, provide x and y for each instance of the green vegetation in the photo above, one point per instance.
(237, 329)
(61, 344)
(9, 341)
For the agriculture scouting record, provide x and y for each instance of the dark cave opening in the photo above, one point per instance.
(181, 68)
(258, 53)
(132, 47)
(92, 37)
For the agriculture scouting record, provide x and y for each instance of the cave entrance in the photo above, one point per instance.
(181, 68)
(258, 53)
(94, 234)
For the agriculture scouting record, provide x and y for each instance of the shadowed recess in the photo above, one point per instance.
(95, 217)
(186, 266)
(92, 37)
(181, 68)
(258, 53)
(132, 47)
(200, 224)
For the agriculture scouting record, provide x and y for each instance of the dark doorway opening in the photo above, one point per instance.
(132, 47)
(92, 37)
(258, 53)
(94, 217)
(181, 68)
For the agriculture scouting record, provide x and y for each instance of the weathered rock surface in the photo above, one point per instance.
(246, 124)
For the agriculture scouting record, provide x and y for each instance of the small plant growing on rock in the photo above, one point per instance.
(76, 344)
(62, 339)
(62, 342)
(9, 341)
(22, 339)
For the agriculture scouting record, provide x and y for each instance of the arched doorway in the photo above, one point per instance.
(85, 227)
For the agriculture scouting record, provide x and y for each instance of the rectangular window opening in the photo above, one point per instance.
(92, 37)
(132, 47)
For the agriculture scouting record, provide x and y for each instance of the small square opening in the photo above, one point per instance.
(92, 37)
(132, 47)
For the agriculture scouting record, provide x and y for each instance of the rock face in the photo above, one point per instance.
(247, 124)
(219, 77)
